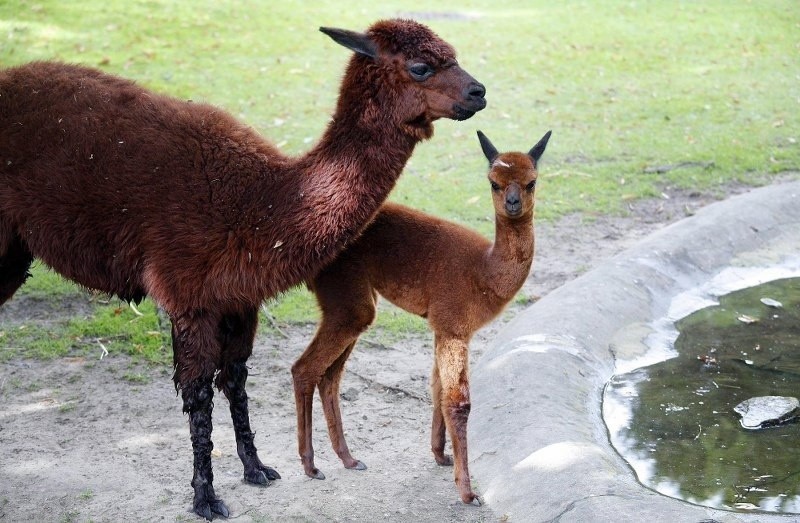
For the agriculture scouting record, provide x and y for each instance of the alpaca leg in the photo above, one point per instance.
(329, 394)
(307, 373)
(438, 432)
(237, 334)
(197, 402)
(195, 359)
(347, 310)
(452, 358)
(15, 260)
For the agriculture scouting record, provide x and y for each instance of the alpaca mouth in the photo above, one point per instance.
(513, 210)
(461, 113)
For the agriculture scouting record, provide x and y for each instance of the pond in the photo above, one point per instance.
(674, 421)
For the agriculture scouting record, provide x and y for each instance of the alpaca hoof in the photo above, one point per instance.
(218, 507)
(270, 472)
(207, 509)
(445, 460)
(317, 474)
(358, 466)
(472, 499)
(257, 477)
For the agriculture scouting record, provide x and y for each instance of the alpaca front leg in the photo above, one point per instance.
(254, 470)
(438, 432)
(452, 358)
(236, 333)
(197, 402)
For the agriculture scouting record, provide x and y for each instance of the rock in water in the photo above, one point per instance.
(762, 412)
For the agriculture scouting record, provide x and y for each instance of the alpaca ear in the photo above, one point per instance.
(357, 42)
(489, 150)
(538, 150)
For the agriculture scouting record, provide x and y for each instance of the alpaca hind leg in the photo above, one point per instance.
(15, 260)
(452, 358)
(237, 334)
(438, 432)
(338, 331)
(196, 360)
(329, 394)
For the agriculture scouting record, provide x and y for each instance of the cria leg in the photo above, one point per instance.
(438, 432)
(329, 394)
(452, 358)
(348, 308)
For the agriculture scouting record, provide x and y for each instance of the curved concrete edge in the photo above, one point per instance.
(538, 446)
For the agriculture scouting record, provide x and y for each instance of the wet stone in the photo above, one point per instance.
(762, 412)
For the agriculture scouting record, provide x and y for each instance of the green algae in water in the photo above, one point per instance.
(682, 435)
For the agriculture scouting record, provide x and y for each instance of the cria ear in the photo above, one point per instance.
(358, 42)
(489, 150)
(538, 150)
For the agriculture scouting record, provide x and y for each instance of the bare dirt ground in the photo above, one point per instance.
(85, 439)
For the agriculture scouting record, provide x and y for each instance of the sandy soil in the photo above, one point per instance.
(81, 440)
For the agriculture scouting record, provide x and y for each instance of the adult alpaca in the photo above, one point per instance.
(450, 275)
(133, 193)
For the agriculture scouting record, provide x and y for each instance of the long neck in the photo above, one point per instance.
(510, 257)
(357, 162)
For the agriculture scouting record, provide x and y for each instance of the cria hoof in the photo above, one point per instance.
(472, 499)
(445, 461)
(358, 466)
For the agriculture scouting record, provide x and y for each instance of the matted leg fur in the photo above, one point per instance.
(237, 334)
(192, 342)
(197, 402)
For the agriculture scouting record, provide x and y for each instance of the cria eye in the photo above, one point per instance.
(531, 185)
(495, 186)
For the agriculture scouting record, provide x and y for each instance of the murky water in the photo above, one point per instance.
(674, 421)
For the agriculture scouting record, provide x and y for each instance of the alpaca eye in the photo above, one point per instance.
(495, 186)
(530, 186)
(420, 71)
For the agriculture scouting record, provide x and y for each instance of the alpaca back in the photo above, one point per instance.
(417, 261)
(110, 171)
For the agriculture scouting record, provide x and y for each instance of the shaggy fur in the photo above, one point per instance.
(133, 193)
(452, 276)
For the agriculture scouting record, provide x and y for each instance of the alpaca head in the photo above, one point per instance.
(411, 75)
(513, 177)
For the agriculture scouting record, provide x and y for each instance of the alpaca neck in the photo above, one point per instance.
(510, 257)
(352, 170)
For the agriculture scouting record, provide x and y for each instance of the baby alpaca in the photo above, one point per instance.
(451, 275)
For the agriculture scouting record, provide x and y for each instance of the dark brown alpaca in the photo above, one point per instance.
(452, 276)
(133, 193)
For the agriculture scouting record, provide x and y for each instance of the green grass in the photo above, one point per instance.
(114, 327)
(624, 86)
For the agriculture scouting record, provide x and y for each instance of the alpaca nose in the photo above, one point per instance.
(513, 205)
(476, 90)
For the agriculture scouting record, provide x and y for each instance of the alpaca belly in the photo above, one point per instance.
(86, 256)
